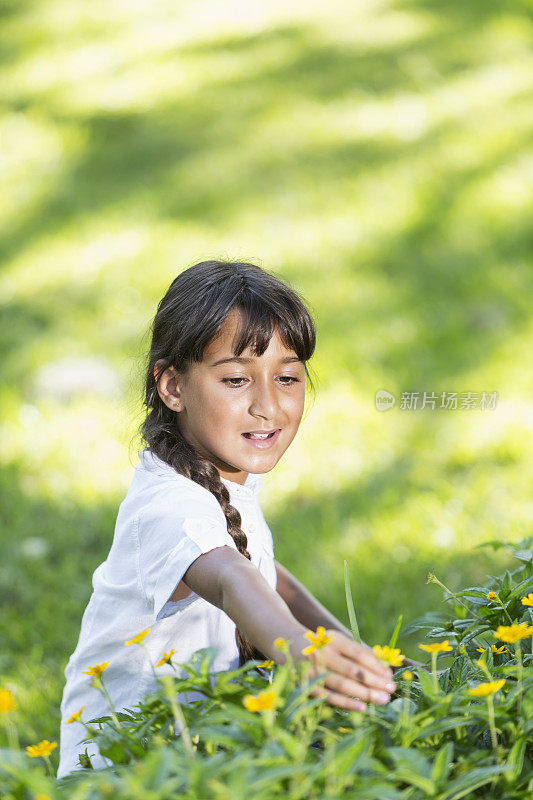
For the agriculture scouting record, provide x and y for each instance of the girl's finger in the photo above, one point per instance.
(366, 658)
(340, 700)
(355, 689)
(357, 673)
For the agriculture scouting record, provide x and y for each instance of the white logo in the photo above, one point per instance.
(384, 400)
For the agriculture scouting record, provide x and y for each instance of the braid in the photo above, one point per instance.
(171, 446)
(189, 317)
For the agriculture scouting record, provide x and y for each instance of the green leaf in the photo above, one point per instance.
(440, 726)
(496, 544)
(523, 588)
(379, 791)
(507, 582)
(392, 641)
(426, 683)
(349, 602)
(524, 555)
(472, 780)
(515, 760)
(474, 592)
(475, 631)
(289, 742)
(348, 753)
(428, 621)
(442, 764)
(412, 767)
(408, 758)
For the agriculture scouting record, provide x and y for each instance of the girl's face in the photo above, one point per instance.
(217, 403)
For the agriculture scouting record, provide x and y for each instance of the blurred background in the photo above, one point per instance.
(376, 155)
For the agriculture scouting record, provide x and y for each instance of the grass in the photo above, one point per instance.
(377, 157)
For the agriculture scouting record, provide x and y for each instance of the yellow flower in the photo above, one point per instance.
(318, 639)
(41, 797)
(344, 730)
(480, 662)
(43, 749)
(391, 656)
(260, 702)
(76, 716)
(138, 639)
(512, 633)
(438, 647)
(491, 596)
(498, 650)
(484, 689)
(407, 676)
(267, 664)
(165, 658)
(528, 600)
(97, 670)
(7, 701)
(280, 643)
(494, 648)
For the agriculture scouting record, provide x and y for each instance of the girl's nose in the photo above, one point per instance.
(264, 402)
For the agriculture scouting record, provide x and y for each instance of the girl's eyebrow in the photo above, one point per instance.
(243, 360)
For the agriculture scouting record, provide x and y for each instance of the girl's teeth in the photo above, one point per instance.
(259, 435)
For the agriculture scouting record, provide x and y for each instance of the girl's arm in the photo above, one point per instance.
(228, 580)
(231, 582)
(306, 608)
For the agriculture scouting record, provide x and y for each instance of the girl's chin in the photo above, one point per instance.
(259, 465)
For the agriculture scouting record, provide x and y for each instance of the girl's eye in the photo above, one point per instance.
(285, 379)
(290, 379)
(232, 381)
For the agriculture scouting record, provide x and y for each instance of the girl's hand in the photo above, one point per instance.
(354, 672)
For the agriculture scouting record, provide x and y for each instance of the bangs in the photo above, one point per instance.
(199, 301)
(260, 319)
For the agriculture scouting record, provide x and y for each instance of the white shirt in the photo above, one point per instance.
(164, 523)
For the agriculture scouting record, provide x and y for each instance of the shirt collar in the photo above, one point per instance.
(250, 488)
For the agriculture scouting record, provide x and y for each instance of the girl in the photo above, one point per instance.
(192, 556)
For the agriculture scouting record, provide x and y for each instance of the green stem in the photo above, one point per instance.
(149, 659)
(168, 683)
(485, 669)
(434, 671)
(434, 579)
(49, 766)
(518, 651)
(504, 609)
(404, 719)
(492, 725)
(109, 702)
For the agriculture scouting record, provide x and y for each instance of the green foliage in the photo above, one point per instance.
(433, 740)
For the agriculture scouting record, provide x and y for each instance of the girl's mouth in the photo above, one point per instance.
(262, 441)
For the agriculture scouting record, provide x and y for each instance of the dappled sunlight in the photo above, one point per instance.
(377, 156)
(34, 152)
(72, 456)
(197, 134)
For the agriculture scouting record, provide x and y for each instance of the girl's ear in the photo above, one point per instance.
(167, 387)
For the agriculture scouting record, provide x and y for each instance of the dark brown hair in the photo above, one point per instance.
(188, 318)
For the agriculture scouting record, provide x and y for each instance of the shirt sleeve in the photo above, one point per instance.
(173, 531)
